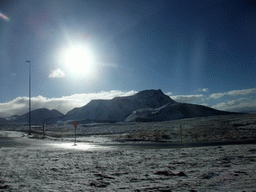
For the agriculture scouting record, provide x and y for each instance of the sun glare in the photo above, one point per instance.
(79, 60)
(79, 146)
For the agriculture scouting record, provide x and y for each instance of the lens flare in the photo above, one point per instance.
(4, 17)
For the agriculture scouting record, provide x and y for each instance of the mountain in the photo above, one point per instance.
(148, 105)
(57, 113)
(40, 115)
(119, 108)
(3, 121)
(172, 111)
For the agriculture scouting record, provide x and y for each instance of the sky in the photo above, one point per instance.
(199, 51)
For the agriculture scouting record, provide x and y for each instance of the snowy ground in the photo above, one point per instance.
(226, 168)
(56, 165)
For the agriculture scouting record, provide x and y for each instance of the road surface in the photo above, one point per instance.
(8, 139)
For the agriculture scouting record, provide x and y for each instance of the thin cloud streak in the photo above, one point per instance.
(233, 93)
(203, 90)
(187, 98)
(239, 105)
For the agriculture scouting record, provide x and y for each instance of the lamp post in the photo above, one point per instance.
(29, 115)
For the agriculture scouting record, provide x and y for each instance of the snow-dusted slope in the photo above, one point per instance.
(119, 108)
(173, 111)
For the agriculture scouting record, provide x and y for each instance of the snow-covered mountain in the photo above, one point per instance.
(172, 111)
(119, 108)
(148, 105)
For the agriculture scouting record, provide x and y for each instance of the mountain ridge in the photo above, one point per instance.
(40, 115)
(147, 105)
(118, 108)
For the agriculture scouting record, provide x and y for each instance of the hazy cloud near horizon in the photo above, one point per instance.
(233, 93)
(238, 105)
(19, 105)
(187, 98)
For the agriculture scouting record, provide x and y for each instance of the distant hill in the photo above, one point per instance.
(172, 111)
(119, 108)
(3, 121)
(57, 113)
(40, 115)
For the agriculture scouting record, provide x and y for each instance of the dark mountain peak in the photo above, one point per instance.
(156, 97)
(150, 93)
(41, 110)
(57, 113)
(118, 108)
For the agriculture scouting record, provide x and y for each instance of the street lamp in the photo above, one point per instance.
(29, 117)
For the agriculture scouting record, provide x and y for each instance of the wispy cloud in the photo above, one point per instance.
(203, 90)
(168, 93)
(227, 104)
(238, 105)
(243, 100)
(57, 73)
(187, 98)
(233, 93)
(19, 105)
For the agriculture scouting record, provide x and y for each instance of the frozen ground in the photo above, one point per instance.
(54, 164)
(226, 168)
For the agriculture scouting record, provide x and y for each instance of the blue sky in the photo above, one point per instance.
(197, 51)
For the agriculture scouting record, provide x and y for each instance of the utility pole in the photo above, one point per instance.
(29, 117)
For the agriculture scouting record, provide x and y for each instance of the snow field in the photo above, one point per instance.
(226, 168)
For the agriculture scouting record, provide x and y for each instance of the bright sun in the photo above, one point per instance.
(79, 60)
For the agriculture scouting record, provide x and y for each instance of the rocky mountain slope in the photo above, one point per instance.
(119, 108)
